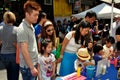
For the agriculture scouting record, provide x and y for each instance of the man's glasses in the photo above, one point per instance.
(49, 30)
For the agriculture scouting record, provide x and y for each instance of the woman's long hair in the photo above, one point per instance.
(44, 33)
(82, 24)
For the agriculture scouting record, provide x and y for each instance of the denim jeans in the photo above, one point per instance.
(26, 74)
(9, 61)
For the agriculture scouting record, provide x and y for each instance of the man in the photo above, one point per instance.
(90, 17)
(27, 41)
(116, 23)
(117, 36)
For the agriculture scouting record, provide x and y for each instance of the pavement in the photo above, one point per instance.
(3, 74)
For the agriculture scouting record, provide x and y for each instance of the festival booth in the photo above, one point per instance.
(103, 11)
(111, 73)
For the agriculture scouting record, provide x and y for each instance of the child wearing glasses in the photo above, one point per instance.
(46, 61)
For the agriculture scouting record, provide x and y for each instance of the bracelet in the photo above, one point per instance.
(61, 56)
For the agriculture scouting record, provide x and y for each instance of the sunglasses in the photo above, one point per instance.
(49, 30)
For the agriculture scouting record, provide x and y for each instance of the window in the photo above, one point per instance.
(71, 1)
(48, 2)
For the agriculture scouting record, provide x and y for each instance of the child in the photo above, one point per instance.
(98, 53)
(46, 61)
(108, 47)
(83, 58)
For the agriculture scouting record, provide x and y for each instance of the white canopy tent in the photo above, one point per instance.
(103, 11)
(111, 1)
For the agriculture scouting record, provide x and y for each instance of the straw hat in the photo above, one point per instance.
(83, 54)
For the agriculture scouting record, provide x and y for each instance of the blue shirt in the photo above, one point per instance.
(2, 24)
(97, 57)
(38, 29)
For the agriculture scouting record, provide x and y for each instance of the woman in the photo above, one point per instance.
(72, 42)
(8, 37)
(48, 32)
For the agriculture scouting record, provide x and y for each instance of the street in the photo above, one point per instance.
(4, 77)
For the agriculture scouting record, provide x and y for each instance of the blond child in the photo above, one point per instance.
(83, 58)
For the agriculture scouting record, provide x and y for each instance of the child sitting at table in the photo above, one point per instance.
(108, 47)
(83, 58)
(98, 53)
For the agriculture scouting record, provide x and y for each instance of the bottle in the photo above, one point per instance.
(103, 69)
(115, 62)
(79, 70)
(118, 75)
(108, 63)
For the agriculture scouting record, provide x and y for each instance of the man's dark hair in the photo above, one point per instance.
(41, 16)
(91, 14)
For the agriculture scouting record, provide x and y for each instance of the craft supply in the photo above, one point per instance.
(79, 70)
(103, 69)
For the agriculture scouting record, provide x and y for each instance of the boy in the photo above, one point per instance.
(108, 47)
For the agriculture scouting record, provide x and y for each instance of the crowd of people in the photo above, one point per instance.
(83, 43)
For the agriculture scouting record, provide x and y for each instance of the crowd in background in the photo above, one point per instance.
(82, 40)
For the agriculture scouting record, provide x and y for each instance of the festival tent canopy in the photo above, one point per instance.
(111, 1)
(103, 11)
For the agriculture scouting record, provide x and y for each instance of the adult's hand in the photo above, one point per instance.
(59, 60)
(90, 45)
(34, 71)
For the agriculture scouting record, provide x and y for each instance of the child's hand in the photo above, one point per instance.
(103, 56)
(53, 75)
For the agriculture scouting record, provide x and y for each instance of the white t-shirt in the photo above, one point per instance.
(77, 62)
(46, 66)
(71, 46)
(113, 29)
(108, 51)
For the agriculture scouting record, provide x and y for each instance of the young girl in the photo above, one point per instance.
(46, 61)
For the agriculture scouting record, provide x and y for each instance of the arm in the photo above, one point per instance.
(25, 53)
(117, 38)
(75, 65)
(39, 44)
(117, 34)
(39, 76)
(54, 67)
(65, 42)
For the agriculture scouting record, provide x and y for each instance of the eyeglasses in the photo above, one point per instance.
(49, 30)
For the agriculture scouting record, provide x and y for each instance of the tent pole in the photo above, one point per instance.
(112, 14)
